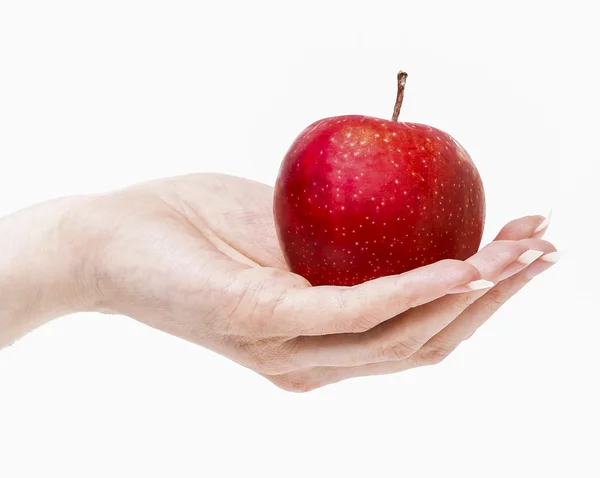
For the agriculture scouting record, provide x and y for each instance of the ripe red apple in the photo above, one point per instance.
(359, 197)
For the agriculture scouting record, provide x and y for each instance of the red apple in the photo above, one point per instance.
(359, 197)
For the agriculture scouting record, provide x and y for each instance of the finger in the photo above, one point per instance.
(497, 256)
(528, 226)
(444, 343)
(541, 229)
(532, 253)
(329, 310)
(312, 378)
(433, 352)
(482, 309)
(404, 335)
(496, 259)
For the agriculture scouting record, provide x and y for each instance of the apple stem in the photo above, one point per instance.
(402, 75)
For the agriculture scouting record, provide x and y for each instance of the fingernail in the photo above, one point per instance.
(545, 262)
(520, 263)
(544, 224)
(552, 257)
(471, 286)
(529, 256)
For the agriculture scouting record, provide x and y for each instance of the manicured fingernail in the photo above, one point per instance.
(520, 263)
(544, 224)
(471, 286)
(552, 257)
(545, 262)
(529, 256)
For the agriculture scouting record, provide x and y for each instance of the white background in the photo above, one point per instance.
(98, 95)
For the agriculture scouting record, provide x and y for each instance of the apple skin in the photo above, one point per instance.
(358, 198)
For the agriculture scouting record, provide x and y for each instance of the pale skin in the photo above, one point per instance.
(197, 257)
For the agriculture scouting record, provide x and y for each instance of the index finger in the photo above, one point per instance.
(331, 310)
(528, 226)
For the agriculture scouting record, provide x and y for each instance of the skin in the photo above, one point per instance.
(198, 257)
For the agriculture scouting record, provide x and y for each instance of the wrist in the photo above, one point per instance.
(42, 266)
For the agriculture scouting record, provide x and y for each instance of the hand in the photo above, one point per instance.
(198, 257)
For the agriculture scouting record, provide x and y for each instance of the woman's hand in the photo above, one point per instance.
(197, 257)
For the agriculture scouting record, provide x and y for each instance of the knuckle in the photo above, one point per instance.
(462, 301)
(240, 307)
(268, 359)
(496, 299)
(269, 366)
(434, 355)
(360, 322)
(341, 304)
(254, 302)
(412, 298)
(283, 306)
(295, 385)
(400, 349)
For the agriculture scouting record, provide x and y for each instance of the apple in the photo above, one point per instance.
(359, 197)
